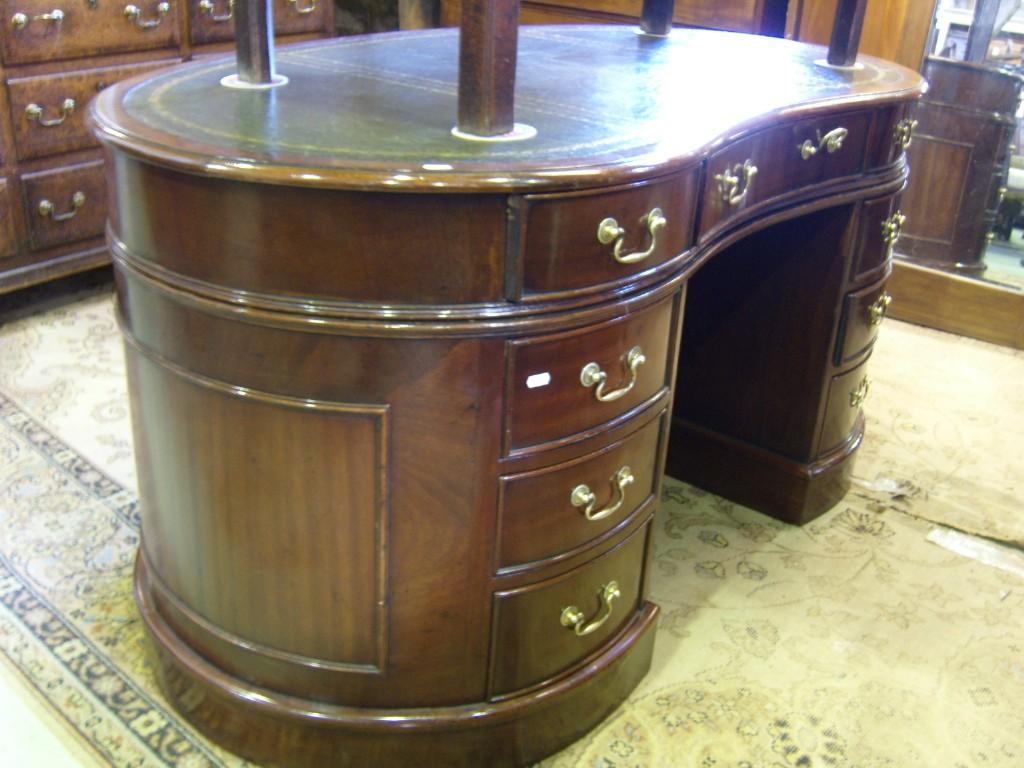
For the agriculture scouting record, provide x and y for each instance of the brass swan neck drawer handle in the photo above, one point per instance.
(20, 20)
(207, 7)
(582, 496)
(609, 231)
(134, 14)
(860, 394)
(34, 113)
(877, 310)
(904, 132)
(302, 10)
(47, 208)
(575, 619)
(592, 375)
(734, 185)
(831, 142)
(892, 228)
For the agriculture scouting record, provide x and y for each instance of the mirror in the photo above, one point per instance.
(965, 200)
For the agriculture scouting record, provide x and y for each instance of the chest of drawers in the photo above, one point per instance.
(402, 407)
(56, 56)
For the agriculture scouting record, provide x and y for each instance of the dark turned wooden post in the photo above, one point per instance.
(979, 37)
(488, 39)
(656, 17)
(842, 50)
(254, 45)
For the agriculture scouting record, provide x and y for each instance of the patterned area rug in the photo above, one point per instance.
(850, 642)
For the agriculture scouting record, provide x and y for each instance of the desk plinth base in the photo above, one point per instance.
(787, 490)
(281, 730)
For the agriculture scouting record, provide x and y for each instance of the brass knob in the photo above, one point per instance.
(591, 375)
(609, 231)
(582, 496)
(573, 618)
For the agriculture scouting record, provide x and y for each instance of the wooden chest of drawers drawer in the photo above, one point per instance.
(846, 395)
(545, 629)
(212, 21)
(44, 30)
(863, 312)
(585, 239)
(562, 386)
(48, 111)
(780, 161)
(8, 239)
(65, 204)
(551, 513)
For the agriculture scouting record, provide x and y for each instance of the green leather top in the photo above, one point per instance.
(378, 110)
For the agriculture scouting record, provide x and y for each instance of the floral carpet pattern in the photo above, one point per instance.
(851, 642)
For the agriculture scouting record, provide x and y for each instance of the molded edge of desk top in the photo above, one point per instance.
(610, 105)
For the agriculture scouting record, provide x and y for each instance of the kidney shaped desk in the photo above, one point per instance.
(402, 400)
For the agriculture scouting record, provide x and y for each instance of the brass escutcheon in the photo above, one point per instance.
(609, 231)
(592, 375)
(573, 618)
(582, 496)
(34, 113)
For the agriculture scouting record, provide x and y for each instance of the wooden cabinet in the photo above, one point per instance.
(402, 400)
(960, 155)
(56, 56)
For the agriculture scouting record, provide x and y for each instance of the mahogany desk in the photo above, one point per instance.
(402, 401)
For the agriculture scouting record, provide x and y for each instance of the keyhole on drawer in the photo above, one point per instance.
(93, 5)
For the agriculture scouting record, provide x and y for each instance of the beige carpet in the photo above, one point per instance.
(851, 642)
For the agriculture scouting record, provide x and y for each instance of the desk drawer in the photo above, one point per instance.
(8, 238)
(48, 112)
(878, 231)
(846, 395)
(213, 21)
(587, 239)
(556, 510)
(863, 312)
(563, 385)
(65, 204)
(44, 30)
(534, 636)
(780, 161)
